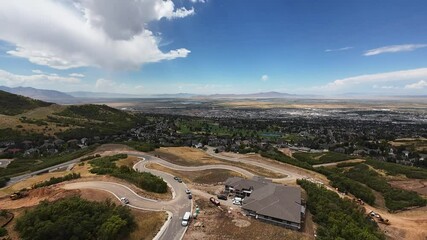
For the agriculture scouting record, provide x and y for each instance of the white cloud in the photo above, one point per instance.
(196, 1)
(338, 49)
(107, 85)
(123, 19)
(397, 76)
(102, 84)
(264, 78)
(77, 75)
(385, 87)
(10, 79)
(394, 49)
(418, 85)
(88, 32)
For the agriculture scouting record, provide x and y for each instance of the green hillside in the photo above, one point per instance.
(96, 112)
(11, 104)
(93, 120)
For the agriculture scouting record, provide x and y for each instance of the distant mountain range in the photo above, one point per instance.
(81, 96)
(250, 95)
(84, 94)
(93, 97)
(41, 94)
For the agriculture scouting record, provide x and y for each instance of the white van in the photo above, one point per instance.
(186, 219)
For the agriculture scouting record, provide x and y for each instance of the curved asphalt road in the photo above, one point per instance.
(175, 207)
(290, 175)
(172, 229)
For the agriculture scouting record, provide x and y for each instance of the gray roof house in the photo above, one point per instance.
(270, 202)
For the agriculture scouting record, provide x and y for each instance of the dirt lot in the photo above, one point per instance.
(411, 224)
(221, 223)
(420, 144)
(148, 223)
(417, 185)
(186, 156)
(213, 176)
(259, 158)
(128, 162)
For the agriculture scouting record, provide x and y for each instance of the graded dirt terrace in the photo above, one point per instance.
(211, 176)
(217, 223)
(186, 156)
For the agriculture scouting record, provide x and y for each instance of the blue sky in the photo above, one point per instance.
(212, 46)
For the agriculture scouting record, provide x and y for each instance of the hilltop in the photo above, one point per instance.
(41, 94)
(12, 104)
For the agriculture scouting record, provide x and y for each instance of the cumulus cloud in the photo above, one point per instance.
(338, 49)
(88, 32)
(11, 79)
(37, 71)
(418, 85)
(397, 76)
(264, 78)
(123, 19)
(77, 75)
(394, 49)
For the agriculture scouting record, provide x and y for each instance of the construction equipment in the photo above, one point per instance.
(18, 195)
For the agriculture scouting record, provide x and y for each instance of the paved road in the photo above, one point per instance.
(172, 230)
(23, 177)
(290, 175)
(175, 207)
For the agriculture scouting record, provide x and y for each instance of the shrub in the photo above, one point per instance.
(75, 218)
(144, 180)
(337, 218)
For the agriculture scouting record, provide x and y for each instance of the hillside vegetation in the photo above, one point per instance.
(11, 104)
(359, 180)
(93, 120)
(145, 180)
(337, 218)
(75, 218)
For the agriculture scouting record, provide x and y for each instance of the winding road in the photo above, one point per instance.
(172, 229)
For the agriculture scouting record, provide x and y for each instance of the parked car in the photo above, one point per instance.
(176, 178)
(124, 200)
(187, 191)
(222, 197)
(215, 201)
(237, 201)
(179, 180)
(190, 196)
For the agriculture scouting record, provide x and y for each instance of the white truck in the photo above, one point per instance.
(186, 219)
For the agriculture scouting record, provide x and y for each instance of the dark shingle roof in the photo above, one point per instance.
(281, 202)
(241, 183)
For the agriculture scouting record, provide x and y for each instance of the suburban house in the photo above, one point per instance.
(268, 201)
(241, 187)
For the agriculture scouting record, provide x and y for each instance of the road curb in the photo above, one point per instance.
(164, 227)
